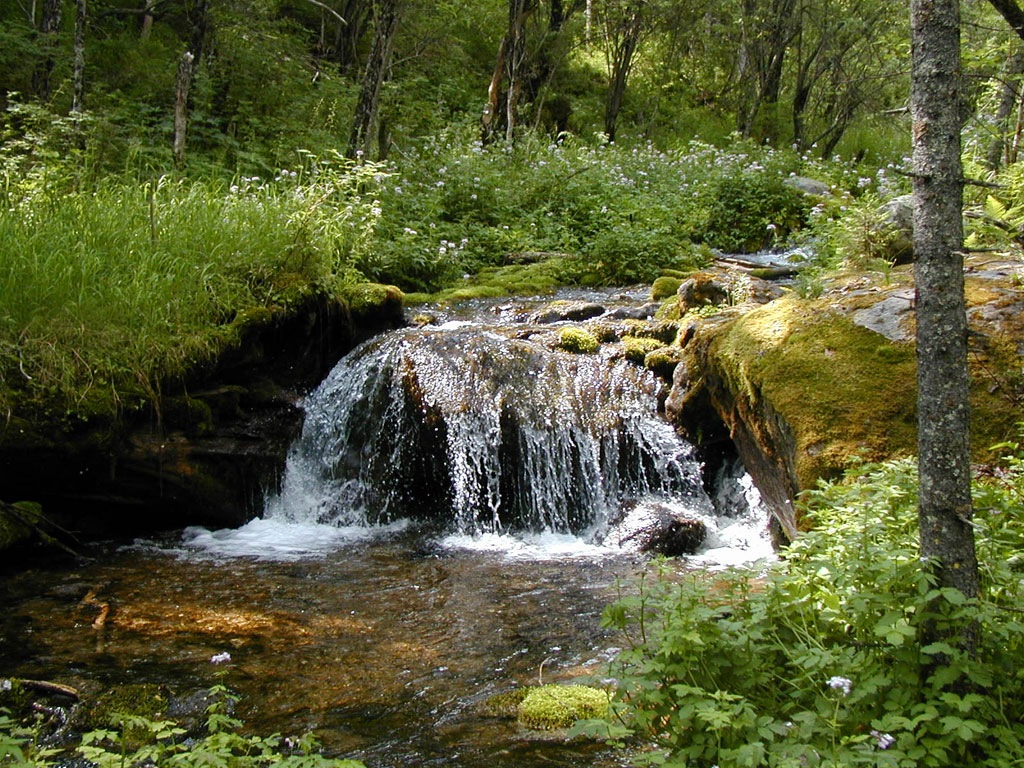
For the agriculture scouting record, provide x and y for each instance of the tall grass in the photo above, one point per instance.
(119, 287)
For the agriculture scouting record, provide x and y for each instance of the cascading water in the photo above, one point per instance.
(483, 431)
(389, 639)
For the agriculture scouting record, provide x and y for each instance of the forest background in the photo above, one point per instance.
(167, 168)
(170, 170)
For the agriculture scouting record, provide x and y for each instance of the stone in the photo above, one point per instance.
(897, 224)
(701, 290)
(566, 311)
(808, 186)
(658, 529)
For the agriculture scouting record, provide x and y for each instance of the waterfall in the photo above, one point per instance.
(483, 429)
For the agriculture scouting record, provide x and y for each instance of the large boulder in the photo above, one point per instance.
(804, 387)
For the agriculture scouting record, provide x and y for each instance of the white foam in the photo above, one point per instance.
(531, 546)
(278, 539)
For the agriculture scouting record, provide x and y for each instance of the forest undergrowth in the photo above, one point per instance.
(818, 659)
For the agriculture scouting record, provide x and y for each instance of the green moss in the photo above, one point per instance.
(605, 333)
(369, 299)
(470, 292)
(843, 391)
(638, 347)
(665, 287)
(662, 361)
(548, 707)
(506, 703)
(577, 340)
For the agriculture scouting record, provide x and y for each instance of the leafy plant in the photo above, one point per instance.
(816, 660)
(165, 743)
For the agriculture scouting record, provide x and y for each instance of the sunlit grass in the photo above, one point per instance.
(131, 283)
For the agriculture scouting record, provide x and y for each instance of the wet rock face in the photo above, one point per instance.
(211, 448)
(658, 529)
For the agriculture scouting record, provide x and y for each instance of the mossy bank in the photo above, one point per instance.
(199, 447)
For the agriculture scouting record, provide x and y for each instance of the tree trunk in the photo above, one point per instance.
(78, 97)
(361, 137)
(1009, 99)
(501, 110)
(49, 29)
(624, 42)
(184, 84)
(945, 509)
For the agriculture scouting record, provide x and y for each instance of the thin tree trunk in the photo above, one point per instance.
(621, 65)
(78, 98)
(361, 137)
(1009, 98)
(184, 84)
(515, 57)
(49, 29)
(945, 508)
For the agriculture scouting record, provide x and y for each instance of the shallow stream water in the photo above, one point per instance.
(383, 636)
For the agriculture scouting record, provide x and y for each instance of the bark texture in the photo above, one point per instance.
(947, 539)
(367, 108)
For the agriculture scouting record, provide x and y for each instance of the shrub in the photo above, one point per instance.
(164, 742)
(817, 661)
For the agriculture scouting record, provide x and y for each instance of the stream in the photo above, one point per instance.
(450, 525)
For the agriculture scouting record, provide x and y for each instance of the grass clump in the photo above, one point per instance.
(107, 293)
(817, 660)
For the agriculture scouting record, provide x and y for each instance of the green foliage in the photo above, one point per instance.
(816, 660)
(164, 743)
(749, 211)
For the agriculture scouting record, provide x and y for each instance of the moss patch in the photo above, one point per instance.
(637, 348)
(548, 707)
(577, 340)
(372, 299)
(844, 391)
(665, 287)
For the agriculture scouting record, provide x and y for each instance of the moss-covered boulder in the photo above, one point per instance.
(804, 387)
(550, 707)
(577, 340)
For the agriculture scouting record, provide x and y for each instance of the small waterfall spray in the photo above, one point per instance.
(483, 430)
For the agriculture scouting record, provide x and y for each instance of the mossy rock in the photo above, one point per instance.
(662, 361)
(577, 341)
(373, 301)
(18, 522)
(550, 707)
(843, 391)
(665, 287)
(638, 347)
